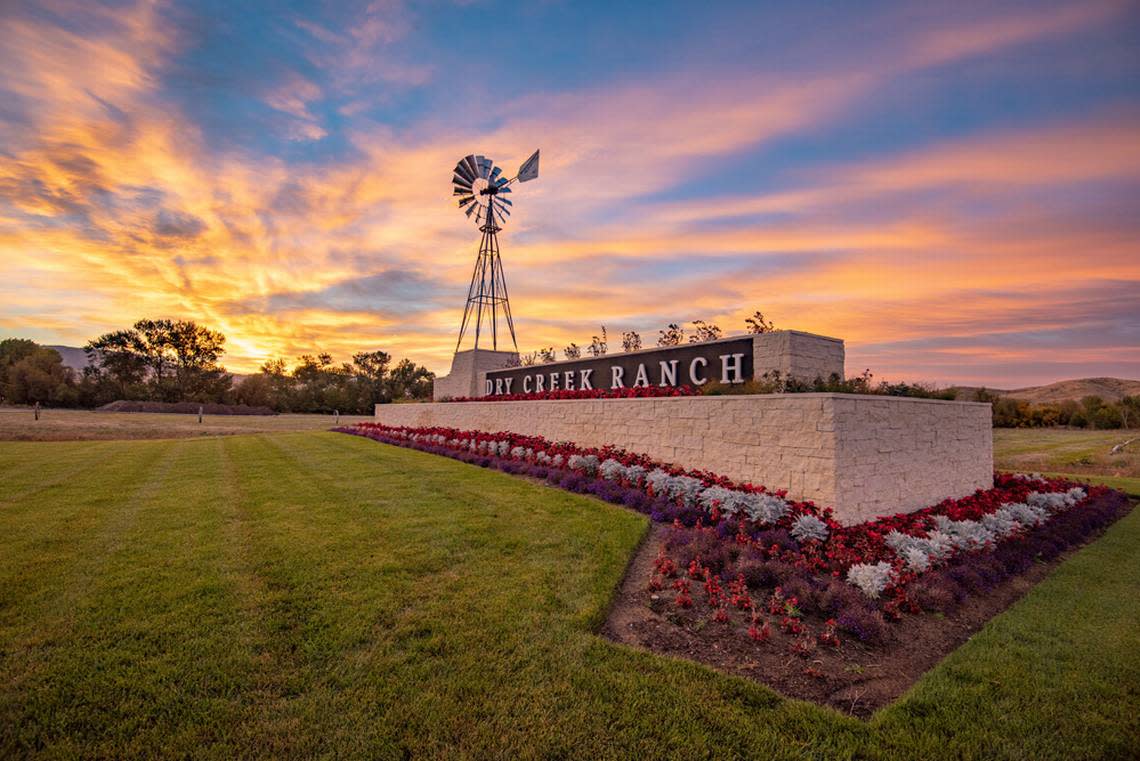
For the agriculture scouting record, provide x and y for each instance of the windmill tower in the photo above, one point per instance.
(482, 190)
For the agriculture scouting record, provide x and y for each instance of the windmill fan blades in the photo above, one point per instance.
(463, 172)
(464, 201)
(495, 176)
(471, 166)
(457, 179)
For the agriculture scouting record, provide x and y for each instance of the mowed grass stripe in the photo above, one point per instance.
(31, 469)
(144, 646)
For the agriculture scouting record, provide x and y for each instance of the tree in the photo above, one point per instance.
(371, 371)
(196, 350)
(598, 346)
(12, 350)
(177, 360)
(410, 381)
(630, 341)
(1129, 410)
(757, 324)
(255, 391)
(116, 368)
(40, 377)
(674, 335)
(704, 332)
(573, 351)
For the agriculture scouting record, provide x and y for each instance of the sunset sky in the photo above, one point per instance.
(955, 191)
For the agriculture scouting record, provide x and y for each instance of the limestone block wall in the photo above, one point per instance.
(862, 455)
(794, 353)
(910, 453)
(468, 368)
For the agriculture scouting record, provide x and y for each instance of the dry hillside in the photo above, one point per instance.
(1109, 389)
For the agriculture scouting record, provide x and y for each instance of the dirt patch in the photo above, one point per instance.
(852, 677)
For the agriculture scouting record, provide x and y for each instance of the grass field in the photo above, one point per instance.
(319, 595)
(19, 424)
(1084, 454)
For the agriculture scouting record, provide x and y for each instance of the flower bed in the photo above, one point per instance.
(752, 549)
(632, 392)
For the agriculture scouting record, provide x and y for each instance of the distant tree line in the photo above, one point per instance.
(179, 361)
(1089, 412)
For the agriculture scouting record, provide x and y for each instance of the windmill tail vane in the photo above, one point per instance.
(482, 191)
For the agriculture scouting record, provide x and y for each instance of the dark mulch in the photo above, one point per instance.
(854, 678)
(185, 408)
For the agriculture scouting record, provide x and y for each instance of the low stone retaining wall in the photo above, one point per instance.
(861, 455)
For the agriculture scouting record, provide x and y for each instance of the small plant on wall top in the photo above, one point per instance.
(598, 346)
(630, 341)
(573, 351)
(757, 324)
(674, 335)
(704, 331)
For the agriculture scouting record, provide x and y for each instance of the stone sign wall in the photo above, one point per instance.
(861, 455)
(736, 359)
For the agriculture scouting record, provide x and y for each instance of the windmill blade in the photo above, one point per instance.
(482, 166)
(464, 201)
(529, 170)
(459, 190)
(471, 166)
(505, 189)
(463, 171)
(494, 178)
(458, 179)
(505, 202)
(471, 208)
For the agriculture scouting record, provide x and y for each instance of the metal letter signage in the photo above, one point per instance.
(725, 361)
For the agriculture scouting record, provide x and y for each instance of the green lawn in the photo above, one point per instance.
(319, 595)
(1086, 455)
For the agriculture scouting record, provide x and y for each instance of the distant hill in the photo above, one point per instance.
(73, 357)
(1109, 389)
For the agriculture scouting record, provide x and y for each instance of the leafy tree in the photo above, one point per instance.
(674, 335)
(177, 360)
(255, 391)
(630, 341)
(757, 324)
(573, 351)
(371, 371)
(12, 350)
(40, 376)
(410, 381)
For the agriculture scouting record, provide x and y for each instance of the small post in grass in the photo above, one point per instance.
(199, 413)
(336, 417)
(36, 410)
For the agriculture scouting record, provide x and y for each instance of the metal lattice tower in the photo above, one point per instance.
(482, 191)
(487, 294)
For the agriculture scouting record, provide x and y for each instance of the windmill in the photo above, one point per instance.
(482, 189)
